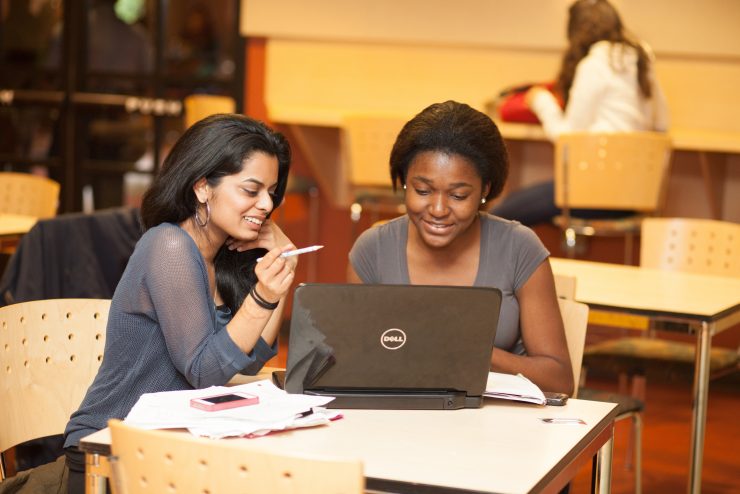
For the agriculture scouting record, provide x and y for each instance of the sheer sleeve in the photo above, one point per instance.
(199, 347)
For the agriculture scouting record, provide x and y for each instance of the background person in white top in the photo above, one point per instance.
(608, 85)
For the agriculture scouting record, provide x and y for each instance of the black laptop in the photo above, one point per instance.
(392, 346)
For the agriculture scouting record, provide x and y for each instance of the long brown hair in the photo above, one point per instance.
(590, 21)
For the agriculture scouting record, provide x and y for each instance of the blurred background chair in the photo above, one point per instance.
(200, 106)
(50, 351)
(150, 461)
(575, 319)
(73, 255)
(691, 245)
(622, 175)
(677, 244)
(366, 143)
(27, 194)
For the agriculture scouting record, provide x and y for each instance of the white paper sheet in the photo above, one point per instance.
(513, 387)
(276, 410)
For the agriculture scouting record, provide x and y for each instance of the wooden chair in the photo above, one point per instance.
(153, 461)
(691, 245)
(50, 351)
(366, 143)
(677, 244)
(621, 171)
(200, 106)
(27, 194)
(575, 320)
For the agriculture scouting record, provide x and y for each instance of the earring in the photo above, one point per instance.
(404, 186)
(208, 216)
(483, 201)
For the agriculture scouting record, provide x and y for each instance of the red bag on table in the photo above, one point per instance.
(511, 106)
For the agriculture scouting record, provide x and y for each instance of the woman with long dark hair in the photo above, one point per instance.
(607, 82)
(189, 311)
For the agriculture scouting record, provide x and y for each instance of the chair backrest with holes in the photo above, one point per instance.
(32, 195)
(611, 171)
(691, 245)
(150, 461)
(50, 351)
(366, 145)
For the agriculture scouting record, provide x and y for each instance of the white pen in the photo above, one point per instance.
(563, 420)
(297, 251)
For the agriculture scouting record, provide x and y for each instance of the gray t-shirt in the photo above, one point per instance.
(509, 254)
(164, 333)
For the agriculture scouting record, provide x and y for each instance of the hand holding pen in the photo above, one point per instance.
(296, 252)
(274, 277)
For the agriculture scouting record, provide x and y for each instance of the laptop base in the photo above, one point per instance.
(371, 400)
(379, 400)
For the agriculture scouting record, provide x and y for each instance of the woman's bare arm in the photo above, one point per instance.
(547, 362)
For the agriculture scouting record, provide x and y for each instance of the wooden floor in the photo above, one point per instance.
(666, 438)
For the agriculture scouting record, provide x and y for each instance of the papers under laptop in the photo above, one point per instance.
(392, 346)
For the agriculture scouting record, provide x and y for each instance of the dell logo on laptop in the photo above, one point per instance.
(393, 339)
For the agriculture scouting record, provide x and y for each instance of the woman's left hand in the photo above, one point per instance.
(533, 93)
(270, 236)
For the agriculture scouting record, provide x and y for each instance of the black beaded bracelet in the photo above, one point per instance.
(261, 301)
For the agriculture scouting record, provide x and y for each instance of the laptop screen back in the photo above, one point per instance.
(391, 338)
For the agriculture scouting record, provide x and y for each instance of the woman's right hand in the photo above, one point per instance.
(274, 274)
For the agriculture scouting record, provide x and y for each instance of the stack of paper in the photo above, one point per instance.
(276, 410)
(513, 387)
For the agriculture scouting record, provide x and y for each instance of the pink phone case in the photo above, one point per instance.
(232, 400)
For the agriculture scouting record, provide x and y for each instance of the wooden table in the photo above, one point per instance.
(501, 447)
(317, 131)
(12, 227)
(15, 224)
(684, 139)
(705, 305)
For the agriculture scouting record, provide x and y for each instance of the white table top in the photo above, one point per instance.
(652, 291)
(502, 447)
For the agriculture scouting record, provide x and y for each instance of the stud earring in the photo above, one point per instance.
(483, 200)
(404, 186)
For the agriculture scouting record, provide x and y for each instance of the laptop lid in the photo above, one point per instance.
(392, 346)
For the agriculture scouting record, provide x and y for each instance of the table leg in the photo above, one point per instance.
(601, 474)
(712, 185)
(96, 474)
(699, 404)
